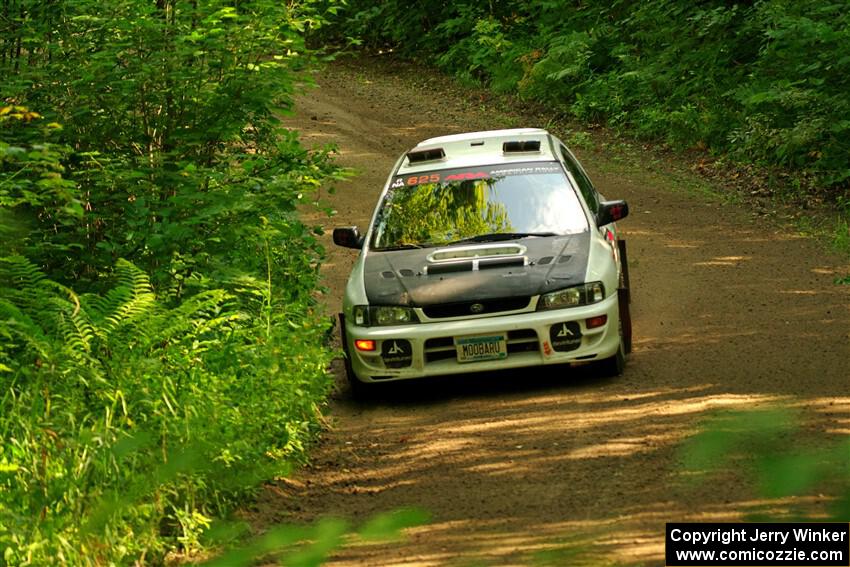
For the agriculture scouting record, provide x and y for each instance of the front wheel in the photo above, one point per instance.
(359, 390)
(614, 365)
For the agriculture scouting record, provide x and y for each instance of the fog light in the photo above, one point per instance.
(365, 344)
(594, 322)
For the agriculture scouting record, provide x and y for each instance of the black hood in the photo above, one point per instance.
(405, 277)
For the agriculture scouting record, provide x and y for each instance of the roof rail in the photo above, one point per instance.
(521, 146)
(431, 154)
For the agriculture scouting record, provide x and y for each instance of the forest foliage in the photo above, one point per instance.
(763, 81)
(161, 347)
(161, 350)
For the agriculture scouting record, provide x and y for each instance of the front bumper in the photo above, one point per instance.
(528, 337)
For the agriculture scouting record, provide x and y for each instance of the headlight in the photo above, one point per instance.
(391, 315)
(586, 294)
(381, 315)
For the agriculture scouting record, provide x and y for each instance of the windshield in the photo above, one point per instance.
(494, 202)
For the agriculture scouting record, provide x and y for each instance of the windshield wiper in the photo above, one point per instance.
(497, 236)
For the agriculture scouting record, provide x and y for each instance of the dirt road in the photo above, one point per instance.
(729, 310)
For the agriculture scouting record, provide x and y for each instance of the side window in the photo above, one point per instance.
(584, 184)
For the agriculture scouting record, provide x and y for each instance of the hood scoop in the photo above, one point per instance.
(477, 257)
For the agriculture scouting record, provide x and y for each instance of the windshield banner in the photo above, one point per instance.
(473, 173)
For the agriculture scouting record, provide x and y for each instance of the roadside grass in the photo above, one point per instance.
(311, 545)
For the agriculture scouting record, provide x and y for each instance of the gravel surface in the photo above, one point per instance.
(730, 311)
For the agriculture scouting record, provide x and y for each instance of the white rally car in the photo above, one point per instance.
(487, 250)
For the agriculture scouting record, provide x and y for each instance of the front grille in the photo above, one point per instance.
(442, 342)
(443, 348)
(465, 308)
(439, 355)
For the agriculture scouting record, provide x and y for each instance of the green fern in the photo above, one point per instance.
(51, 322)
(44, 321)
(203, 313)
(131, 299)
(20, 331)
(81, 373)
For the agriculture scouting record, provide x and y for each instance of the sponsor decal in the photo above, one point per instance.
(396, 353)
(469, 176)
(565, 336)
(537, 169)
(547, 349)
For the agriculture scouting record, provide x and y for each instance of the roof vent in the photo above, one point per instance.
(521, 146)
(432, 154)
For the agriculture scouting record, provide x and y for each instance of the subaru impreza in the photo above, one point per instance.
(486, 251)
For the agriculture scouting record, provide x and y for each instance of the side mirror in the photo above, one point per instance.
(348, 237)
(611, 211)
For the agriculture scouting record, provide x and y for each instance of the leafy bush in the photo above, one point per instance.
(170, 109)
(86, 378)
(763, 81)
(161, 349)
(760, 448)
(309, 546)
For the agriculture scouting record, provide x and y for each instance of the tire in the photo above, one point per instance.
(614, 366)
(358, 390)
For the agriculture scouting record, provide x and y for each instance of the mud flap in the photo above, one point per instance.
(625, 317)
(349, 371)
(624, 266)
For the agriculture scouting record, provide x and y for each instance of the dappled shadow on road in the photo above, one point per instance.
(558, 460)
(548, 464)
(730, 313)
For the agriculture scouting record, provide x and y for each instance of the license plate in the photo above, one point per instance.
(481, 347)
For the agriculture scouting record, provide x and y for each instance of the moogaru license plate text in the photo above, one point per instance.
(481, 347)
